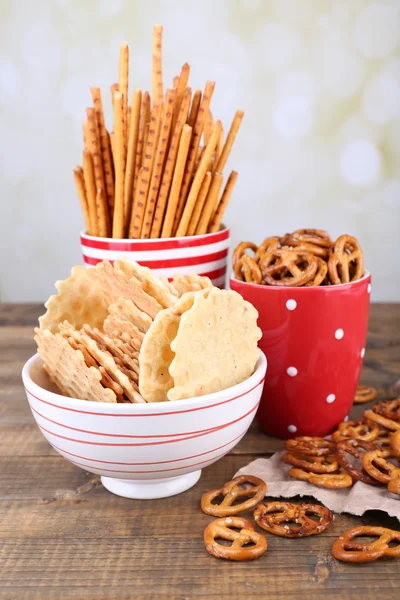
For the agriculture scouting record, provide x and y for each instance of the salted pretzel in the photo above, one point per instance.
(276, 518)
(347, 262)
(344, 548)
(382, 421)
(225, 529)
(247, 269)
(364, 394)
(314, 464)
(353, 447)
(320, 275)
(311, 446)
(240, 487)
(327, 480)
(395, 442)
(376, 465)
(390, 409)
(240, 251)
(394, 483)
(317, 237)
(358, 429)
(284, 267)
(270, 243)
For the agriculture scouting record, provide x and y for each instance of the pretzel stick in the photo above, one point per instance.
(112, 144)
(128, 119)
(113, 88)
(144, 179)
(131, 156)
(144, 117)
(94, 145)
(194, 145)
(105, 148)
(208, 127)
(194, 221)
(157, 79)
(175, 81)
(219, 147)
(210, 204)
(195, 108)
(90, 187)
(229, 141)
(118, 221)
(223, 203)
(161, 151)
(80, 188)
(177, 180)
(145, 137)
(123, 84)
(86, 136)
(198, 179)
(101, 206)
(183, 79)
(170, 166)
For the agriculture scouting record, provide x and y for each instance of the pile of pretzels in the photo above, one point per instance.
(306, 257)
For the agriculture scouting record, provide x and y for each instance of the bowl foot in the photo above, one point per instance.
(149, 489)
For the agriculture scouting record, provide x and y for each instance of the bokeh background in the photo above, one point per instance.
(319, 146)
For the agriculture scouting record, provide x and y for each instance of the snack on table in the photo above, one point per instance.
(117, 333)
(290, 520)
(306, 257)
(226, 529)
(347, 550)
(159, 173)
(241, 486)
(364, 394)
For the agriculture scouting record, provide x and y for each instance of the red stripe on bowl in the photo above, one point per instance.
(62, 437)
(156, 245)
(170, 262)
(154, 414)
(139, 464)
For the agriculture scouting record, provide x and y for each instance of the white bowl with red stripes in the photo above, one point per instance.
(202, 254)
(143, 451)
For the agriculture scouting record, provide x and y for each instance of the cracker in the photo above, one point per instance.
(190, 283)
(117, 348)
(68, 369)
(121, 329)
(155, 354)
(126, 310)
(216, 345)
(151, 285)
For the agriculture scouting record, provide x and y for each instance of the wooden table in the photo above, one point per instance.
(62, 535)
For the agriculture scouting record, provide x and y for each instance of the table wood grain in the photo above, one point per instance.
(62, 535)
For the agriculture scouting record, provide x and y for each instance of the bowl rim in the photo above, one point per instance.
(314, 289)
(189, 404)
(133, 241)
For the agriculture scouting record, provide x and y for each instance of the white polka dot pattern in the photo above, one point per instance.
(291, 304)
(331, 398)
(292, 371)
(292, 428)
(339, 333)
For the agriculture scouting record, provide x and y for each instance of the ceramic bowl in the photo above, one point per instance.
(202, 254)
(314, 339)
(143, 450)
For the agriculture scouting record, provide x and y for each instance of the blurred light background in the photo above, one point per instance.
(319, 146)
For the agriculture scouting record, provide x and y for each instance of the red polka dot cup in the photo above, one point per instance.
(314, 340)
(202, 254)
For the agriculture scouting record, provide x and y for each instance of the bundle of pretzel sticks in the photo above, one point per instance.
(159, 173)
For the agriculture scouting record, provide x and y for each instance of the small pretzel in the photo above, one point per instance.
(320, 274)
(352, 446)
(248, 270)
(345, 549)
(395, 443)
(358, 429)
(224, 529)
(270, 243)
(383, 438)
(232, 490)
(326, 480)
(276, 516)
(346, 263)
(364, 394)
(314, 464)
(382, 421)
(390, 409)
(376, 465)
(311, 446)
(240, 250)
(283, 267)
(394, 483)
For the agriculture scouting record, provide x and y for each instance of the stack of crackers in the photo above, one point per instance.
(117, 333)
(159, 173)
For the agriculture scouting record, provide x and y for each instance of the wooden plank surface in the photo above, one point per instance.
(62, 535)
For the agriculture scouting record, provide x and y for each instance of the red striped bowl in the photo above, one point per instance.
(202, 254)
(143, 450)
